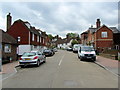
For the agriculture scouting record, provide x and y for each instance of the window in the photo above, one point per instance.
(40, 39)
(33, 37)
(104, 34)
(43, 41)
(117, 47)
(18, 39)
(7, 48)
(37, 38)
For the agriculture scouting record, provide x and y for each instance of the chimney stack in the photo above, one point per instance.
(98, 23)
(57, 36)
(67, 36)
(9, 21)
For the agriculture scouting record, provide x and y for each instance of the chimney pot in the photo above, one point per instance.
(9, 21)
(98, 23)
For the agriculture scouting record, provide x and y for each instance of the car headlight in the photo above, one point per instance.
(82, 54)
(94, 54)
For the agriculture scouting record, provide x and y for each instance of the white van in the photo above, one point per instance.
(86, 53)
(75, 47)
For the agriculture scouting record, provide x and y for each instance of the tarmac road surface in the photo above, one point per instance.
(63, 70)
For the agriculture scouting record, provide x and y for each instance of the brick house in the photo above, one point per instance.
(66, 42)
(28, 37)
(101, 37)
(9, 47)
(84, 37)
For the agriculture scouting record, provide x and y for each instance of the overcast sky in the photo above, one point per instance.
(60, 17)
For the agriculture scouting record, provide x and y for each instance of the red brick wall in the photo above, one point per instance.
(83, 38)
(104, 29)
(18, 29)
(103, 42)
(89, 37)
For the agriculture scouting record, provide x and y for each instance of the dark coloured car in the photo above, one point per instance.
(48, 52)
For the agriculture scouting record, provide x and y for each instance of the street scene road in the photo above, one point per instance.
(63, 70)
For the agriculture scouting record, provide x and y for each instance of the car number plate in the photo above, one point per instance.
(27, 59)
(88, 57)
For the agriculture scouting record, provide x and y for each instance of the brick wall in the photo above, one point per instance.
(106, 42)
(18, 29)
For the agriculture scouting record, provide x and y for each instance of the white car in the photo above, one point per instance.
(75, 47)
(32, 58)
(86, 53)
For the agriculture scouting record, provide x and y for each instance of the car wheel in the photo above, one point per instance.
(78, 57)
(22, 66)
(44, 60)
(81, 59)
(94, 59)
(38, 63)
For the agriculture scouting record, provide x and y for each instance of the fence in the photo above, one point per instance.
(118, 56)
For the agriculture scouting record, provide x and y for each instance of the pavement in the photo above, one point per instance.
(108, 64)
(8, 69)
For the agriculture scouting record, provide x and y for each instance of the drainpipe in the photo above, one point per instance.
(29, 40)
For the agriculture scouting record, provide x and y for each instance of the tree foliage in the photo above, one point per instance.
(73, 35)
(50, 36)
(74, 42)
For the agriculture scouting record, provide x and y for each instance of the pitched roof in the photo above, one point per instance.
(28, 26)
(114, 29)
(86, 32)
(92, 30)
(6, 38)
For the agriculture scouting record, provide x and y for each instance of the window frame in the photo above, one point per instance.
(33, 37)
(104, 34)
(7, 48)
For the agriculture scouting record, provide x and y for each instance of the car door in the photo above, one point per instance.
(40, 56)
(43, 56)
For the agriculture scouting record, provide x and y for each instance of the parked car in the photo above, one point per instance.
(48, 52)
(75, 48)
(32, 58)
(86, 53)
(55, 49)
(52, 50)
(69, 49)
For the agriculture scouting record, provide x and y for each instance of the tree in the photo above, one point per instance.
(74, 42)
(50, 36)
(73, 35)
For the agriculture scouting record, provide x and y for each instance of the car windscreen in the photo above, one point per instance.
(47, 50)
(29, 54)
(76, 47)
(87, 49)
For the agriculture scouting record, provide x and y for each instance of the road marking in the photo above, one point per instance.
(61, 60)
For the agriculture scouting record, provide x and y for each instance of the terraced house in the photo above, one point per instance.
(8, 47)
(101, 37)
(28, 37)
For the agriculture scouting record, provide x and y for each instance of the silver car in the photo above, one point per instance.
(32, 58)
